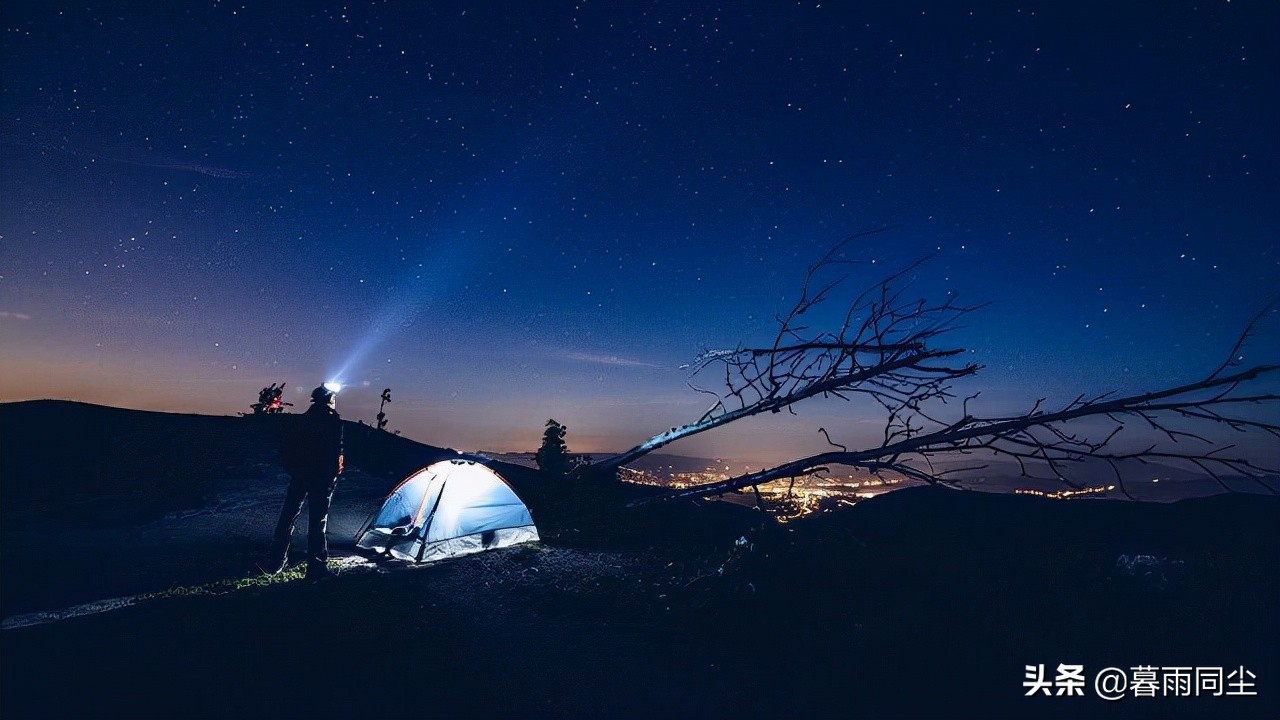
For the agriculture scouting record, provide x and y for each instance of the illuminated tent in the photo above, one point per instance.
(451, 508)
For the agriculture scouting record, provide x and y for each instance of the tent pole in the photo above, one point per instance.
(426, 526)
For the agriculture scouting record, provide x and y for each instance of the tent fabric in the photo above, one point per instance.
(450, 508)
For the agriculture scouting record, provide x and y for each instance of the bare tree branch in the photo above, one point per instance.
(889, 348)
(882, 349)
(1039, 437)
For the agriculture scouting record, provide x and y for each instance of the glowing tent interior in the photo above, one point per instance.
(447, 509)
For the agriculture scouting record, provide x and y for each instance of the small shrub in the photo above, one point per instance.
(553, 456)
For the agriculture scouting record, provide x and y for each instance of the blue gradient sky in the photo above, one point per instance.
(512, 214)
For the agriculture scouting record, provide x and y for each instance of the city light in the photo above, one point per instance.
(785, 499)
(1066, 494)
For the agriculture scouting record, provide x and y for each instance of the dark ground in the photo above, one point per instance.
(920, 603)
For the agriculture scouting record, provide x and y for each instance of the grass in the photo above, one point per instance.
(292, 573)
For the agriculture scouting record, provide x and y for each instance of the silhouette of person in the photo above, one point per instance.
(312, 453)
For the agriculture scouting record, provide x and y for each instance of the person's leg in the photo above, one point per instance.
(289, 512)
(317, 541)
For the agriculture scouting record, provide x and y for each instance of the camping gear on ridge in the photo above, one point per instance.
(447, 509)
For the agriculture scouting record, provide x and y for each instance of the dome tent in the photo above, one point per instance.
(447, 509)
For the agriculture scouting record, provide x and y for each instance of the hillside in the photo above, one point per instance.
(139, 501)
(136, 465)
(143, 501)
(920, 603)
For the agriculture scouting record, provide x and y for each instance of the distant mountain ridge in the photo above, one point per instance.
(653, 462)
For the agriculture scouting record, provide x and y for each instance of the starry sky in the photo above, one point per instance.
(508, 212)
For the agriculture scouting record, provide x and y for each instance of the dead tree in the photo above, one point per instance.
(1039, 438)
(890, 348)
(883, 348)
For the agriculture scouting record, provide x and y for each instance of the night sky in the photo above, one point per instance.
(507, 212)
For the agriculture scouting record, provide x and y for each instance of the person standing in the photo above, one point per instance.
(312, 453)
